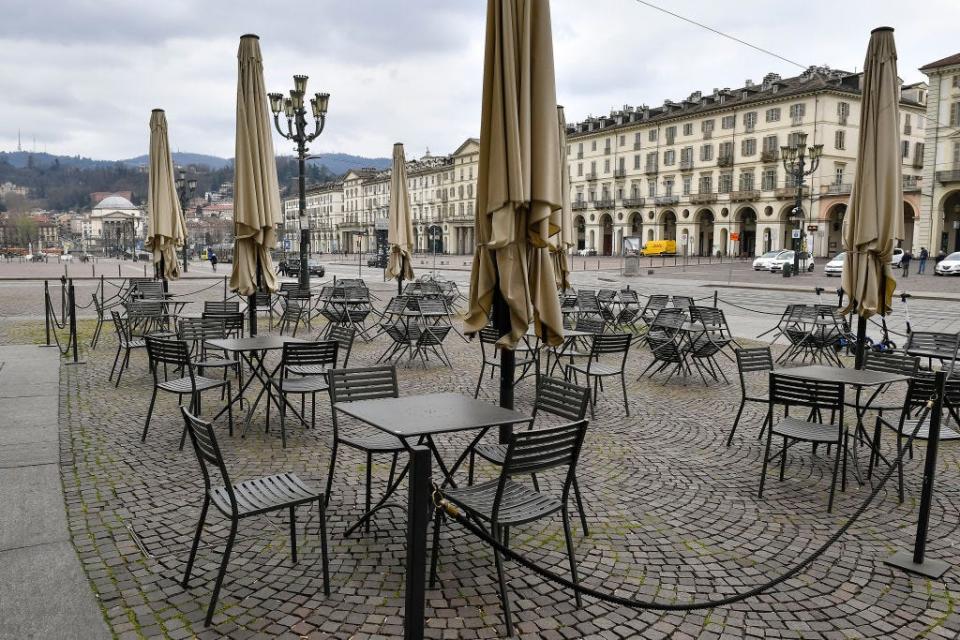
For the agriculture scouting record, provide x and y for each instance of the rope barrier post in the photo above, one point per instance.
(72, 297)
(418, 513)
(916, 562)
(46, 311)
(63, 299)
(224, 287)
(714, 298)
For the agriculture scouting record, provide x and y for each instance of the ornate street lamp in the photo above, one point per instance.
(795, 158)
(296, 114)
(185, 190)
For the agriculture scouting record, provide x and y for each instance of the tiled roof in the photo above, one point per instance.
(943, 62)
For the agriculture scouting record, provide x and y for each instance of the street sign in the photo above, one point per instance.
(795, 234)
(811, 227)
(734, 236)
(286, 244)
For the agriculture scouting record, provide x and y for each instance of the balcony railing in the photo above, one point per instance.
(918, 163)
(665, 200)
(591, 175)
(651, 168)
(907, 129)
(633, 201)
(579, 205)
(948, 176)
(604, 203)
(703, 198)
(725, 161)
(785, 193)
(768, 156)
(620, 173)
(686, 165)
(708, 134)
(911, 183)
(838, 188)
(744, 195)
(636, 146)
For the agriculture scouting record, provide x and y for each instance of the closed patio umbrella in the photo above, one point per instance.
(256, 200)
(874, 219)
(167, 229)
(562, 252)
(400, 231)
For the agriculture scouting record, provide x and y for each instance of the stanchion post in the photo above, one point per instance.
(224, 287)
(46, 310)
(916, 562)
(714, 298)
(418, 513)
(71, 295)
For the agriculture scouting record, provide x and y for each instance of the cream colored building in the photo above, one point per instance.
(706, 171)
(940, 202)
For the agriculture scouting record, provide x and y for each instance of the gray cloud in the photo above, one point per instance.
(83, 76)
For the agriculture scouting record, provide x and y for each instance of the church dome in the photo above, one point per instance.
(115, 203)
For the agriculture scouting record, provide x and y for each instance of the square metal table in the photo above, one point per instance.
(420, 418)
(253, 351)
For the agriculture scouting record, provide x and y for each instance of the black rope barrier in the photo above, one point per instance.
(450, 510)
(737, 306)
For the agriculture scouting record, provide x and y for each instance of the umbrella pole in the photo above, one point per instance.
(400, 285)
(252, 302)
(861, 341)
(501, 321)
(163, 274)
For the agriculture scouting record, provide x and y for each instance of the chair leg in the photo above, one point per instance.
(841, 451)
(435, 551)
(766, 461)
(283, 419)
(323, 547)
(368, 496)
(333, 464)
(783, 459)
(293, 534)
(623, 383)
(222, 572)
(476, 392)
(504, 598)
(899, 468)
(583, 514)
(736, 421)
(470, 469)
(570, 554)
(230, 407)
(146, 425)
(185, 583)
(115, 359)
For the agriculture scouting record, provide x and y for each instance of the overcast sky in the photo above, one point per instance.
(82, 76)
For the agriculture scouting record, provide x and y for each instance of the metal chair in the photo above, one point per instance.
(887, 362)
(558, 398)
(504, 503)
(196, 331)
(685, 303)
(125, 343)
(754, 360)
(818, 397)
(351, 385)
(603, 345)
(293, 313)
(234, 324)
(934, 345)
(488, 341)
(246, 499)
(655, 304)
(431, 338)
(221, 306)
(165, 351)
(300, 358)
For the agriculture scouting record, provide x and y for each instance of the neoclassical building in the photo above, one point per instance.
(706, 171)
(939, 227)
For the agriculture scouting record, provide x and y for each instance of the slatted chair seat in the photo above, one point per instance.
(372, 441)
(923, 433)
(799, 429)
(518, 505)
(183, 385)
(306, 384)
(495, 453)
(308, 370)
(595, 369)
(261, 495)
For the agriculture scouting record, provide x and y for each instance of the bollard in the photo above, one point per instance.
(46, 311)
(63, 298)
(72, 297)
(418, 513)
(93, 270)
(714, 298)
(598, 265)
(119, 275)
(224, 287)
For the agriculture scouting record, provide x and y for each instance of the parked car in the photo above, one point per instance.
(949, 266)
(315, 268)
(762, 263)
(896, 258)
(835, 266)
(659, 248)
(587, 252)
(289, 267)
(786, 257)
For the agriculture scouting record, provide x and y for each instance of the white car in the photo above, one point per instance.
(762, 263)
(896, 258)
(786, 257)
(949, 266)
(835, 266)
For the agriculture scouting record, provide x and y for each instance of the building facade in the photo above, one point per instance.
(707, 173)
(940, 200)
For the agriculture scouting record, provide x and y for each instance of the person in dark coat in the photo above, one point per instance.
(905, 263)
(924, 254)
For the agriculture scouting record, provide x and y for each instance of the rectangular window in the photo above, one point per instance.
(652, 161)
(668, 187)
(686, 185)
(726, 183)
(771, 145)
(840, 139)
(769, 179)
(623, 140)
(773, 115)
(579, 168)
(606, 145)
(956, 153)
(652, 135)
(623, 164)
(905, 148)
(651, 188)
(749, 120)
(746, 181)
(706, 184)
(636, 161)
(636, 140)
(838, 171)
(707, 127)
(593, 167)
(843, 112)
(686, 155)
(728, 122)
(797, 111)
(955, 114)
(688, 129)
(725, 152)
(793, 139)
(669, 157)
(907, 128)
(706, 152)
(748, 147)
(918, 154)
(671, 134)
(606, 165)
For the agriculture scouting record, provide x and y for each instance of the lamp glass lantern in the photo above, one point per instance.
(276, 102)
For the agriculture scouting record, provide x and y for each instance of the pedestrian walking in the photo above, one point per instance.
(924, 254)
(213, 261)
(905, 263)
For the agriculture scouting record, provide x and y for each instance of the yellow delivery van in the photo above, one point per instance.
(660, 248)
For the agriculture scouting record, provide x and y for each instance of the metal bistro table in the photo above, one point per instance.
(421, 417)
(253, 350)
(856, 378)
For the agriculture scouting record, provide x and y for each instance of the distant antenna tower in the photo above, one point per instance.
(19, 148)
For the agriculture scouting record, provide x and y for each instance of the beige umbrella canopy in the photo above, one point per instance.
(400, 231)
(562, 251)
(167, 229)
(874, 219)
(256, 199)
(519, 192)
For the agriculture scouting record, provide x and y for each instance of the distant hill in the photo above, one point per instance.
(214, 162)
(22, 159)
(339, 163)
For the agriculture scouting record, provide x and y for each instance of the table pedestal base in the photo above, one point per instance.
(929, 568)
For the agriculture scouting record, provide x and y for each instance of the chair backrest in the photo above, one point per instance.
(169, 351)
(668, 318)
(433, 306)
(199, 329)
(364, 383)
(489, 335)
(611, 343)
(815, 394)
(683, 302)
(754, 359)
(221, 306)
(207, 449)
(590, 325)
(932, 342)
(344, 336)
(322, 353)
(587, 301)
(708, 316)
(233, 323)
(287, 287)
(607, 296)
(396, 305)
(433, 334)
(121, 326)
(561, 398)
(150, 290)
(629, 297)
(264, 300)
(656, 302)
(890, 362)
(541, 450)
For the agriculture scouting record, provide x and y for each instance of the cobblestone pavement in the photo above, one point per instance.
(673, 516)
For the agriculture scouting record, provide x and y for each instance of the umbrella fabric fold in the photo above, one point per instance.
(561, 255)
(874, 219)
(400, 231)
(256, 201)
(167, 228)
(519, 191)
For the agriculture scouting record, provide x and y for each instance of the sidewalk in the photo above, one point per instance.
(43, 590)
